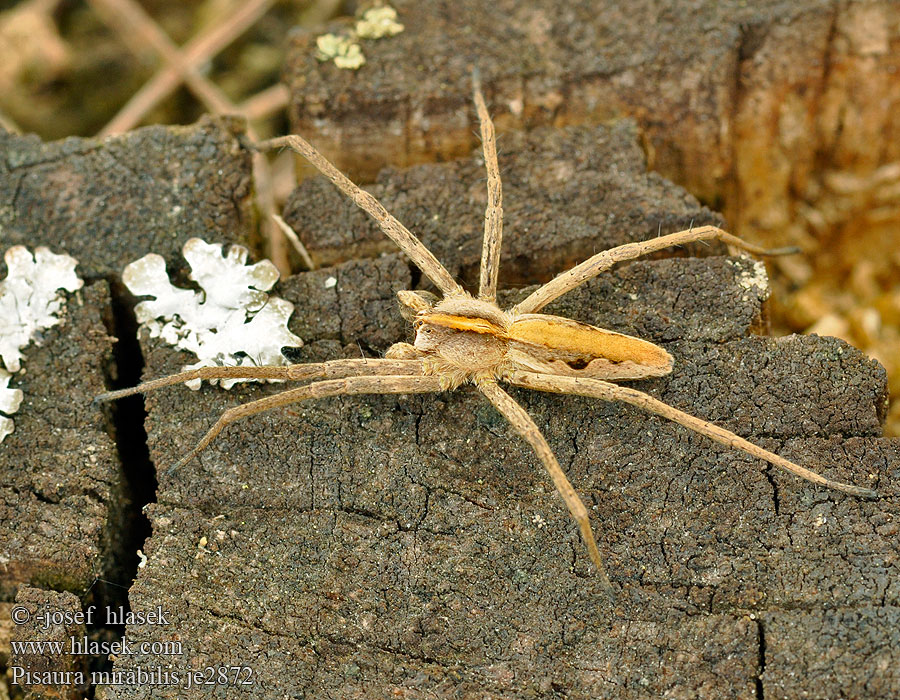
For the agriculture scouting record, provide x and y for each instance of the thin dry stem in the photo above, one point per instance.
(527, 428)
(347, 386)
(138, 29)
(266, 102)
(295, 241)
(7, 123)
(581, 273)
(493, 214)
(277, 248)
(393, 229)
(599, 389)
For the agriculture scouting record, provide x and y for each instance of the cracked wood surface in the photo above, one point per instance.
(602, 196)
(62, 491)
(108, 202)
(381, 546)
(36, 630)
(64, 499)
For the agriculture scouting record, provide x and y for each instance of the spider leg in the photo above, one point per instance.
(526, 427)
(493, 214)
(599, 389)
(333, 369)
(393, 229)
(581, 273)
(348, 386)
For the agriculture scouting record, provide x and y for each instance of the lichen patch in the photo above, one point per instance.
(32, 297)
(231, 321)
(753, 278)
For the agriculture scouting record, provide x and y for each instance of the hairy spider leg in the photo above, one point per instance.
(493, 214)
(526, 427)
(599, 389)
(332, 369)
(348, 386)
(413, 248)
(593, 266)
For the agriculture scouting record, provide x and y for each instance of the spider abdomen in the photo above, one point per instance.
(552, 344)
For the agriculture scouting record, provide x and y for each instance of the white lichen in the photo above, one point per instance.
(230, 322)
(753, 279)
(10, 399)
(31, 298)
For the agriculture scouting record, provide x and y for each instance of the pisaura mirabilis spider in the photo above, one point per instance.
(462, 338)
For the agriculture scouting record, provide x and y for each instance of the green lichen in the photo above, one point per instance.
(342, 50)
(345, 51)
(378, 22)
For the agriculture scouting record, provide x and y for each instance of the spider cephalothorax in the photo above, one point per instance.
(462, 338)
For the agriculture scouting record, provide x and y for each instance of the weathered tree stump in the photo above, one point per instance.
(67, 505)
(62, 491)
(381, 546)
(784, 116)
(391, 546)
(765, 107)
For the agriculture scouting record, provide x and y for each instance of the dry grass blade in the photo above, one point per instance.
(181, 66)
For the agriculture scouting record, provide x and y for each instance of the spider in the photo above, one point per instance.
(466, 339)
